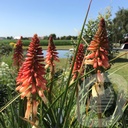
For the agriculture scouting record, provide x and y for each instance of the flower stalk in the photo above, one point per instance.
(30, 80)
(78, 63)
(51, 56)
(78, 71)
(98, 58)
(18, 54)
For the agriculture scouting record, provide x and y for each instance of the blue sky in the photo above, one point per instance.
(62, 17)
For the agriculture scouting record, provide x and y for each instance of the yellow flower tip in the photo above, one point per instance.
(94, 92)
(89, 62)
(97, 90)
(100, 76)
(46, 66)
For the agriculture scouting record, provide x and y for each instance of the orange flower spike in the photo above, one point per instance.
(30, 78)
(99, 46)
(78, 61)
(18, 54)
(51, 55)
(30, 67)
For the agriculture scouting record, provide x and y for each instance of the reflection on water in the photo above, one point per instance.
(61, 53)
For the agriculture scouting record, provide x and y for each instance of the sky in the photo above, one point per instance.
(44, 17)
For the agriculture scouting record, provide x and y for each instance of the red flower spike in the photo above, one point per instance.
(32, 65)
(78, 61)
(18, 54)
(99, 46)
(51, 55)
(30, 78)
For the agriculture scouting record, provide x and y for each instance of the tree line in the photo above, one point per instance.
(69, 37)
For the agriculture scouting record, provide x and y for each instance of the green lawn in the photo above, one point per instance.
(120, 66)
(118, 74)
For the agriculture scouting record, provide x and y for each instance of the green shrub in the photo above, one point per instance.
(5, 49)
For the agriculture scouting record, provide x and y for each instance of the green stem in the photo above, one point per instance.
(51, 86)
(99, 112)
(68, 82)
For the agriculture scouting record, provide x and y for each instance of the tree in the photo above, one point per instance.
(120, 24)
(53, 36)
(90, 30)
(9, 37)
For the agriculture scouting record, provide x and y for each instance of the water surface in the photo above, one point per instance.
(61, 53)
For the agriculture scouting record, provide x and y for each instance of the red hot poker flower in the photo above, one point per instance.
(30, 79)
(18, 54)
(51, 55)
(99, 48)
(78, 61)
(99, 55)
(32, 71)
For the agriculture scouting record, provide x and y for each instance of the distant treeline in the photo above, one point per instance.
(43, 42)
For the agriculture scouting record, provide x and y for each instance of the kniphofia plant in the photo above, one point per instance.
(98, 57)
(51, 57)
(30, 80)
(18, 54)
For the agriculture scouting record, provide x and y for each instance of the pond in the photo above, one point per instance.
(61, 53)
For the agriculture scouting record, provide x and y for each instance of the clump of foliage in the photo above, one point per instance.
(5, 49)
(6, 81)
